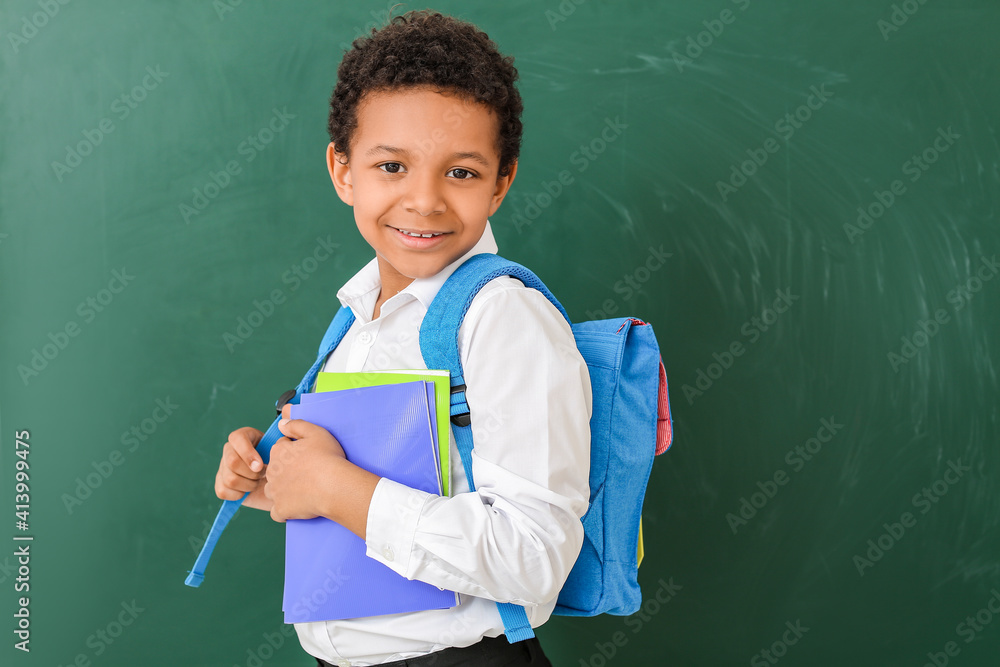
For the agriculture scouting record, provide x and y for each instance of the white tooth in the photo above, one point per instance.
(421, 236)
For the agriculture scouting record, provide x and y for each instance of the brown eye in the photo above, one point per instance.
(391, 167)
(462, 174)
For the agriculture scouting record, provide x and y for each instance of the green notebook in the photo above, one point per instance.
(442, 399)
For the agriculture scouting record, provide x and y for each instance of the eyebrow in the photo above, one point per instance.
(394, 150)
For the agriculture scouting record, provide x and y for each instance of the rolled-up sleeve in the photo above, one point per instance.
(516, 537)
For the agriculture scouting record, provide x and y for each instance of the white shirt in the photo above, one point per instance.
(517, 536)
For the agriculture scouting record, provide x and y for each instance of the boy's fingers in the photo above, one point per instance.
(248, 456)
(233, 465)
(230, 486)
(233, 481)
(299, 428)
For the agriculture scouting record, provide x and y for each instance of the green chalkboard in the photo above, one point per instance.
(802, 198)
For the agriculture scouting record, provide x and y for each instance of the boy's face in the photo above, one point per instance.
(421, 163)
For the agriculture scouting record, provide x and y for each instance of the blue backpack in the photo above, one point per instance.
(630, 424)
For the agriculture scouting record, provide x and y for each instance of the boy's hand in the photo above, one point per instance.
(300, 469)
(242, 470)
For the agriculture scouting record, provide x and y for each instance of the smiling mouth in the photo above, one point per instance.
(420, 235)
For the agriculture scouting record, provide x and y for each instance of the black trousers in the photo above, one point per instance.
(488, 652)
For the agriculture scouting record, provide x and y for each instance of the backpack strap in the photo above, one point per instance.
(342, 321)
(439, 329)
(439, 348)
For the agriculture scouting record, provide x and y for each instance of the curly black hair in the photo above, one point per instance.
(427, 48)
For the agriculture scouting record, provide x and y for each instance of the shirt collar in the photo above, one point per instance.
(361, 292)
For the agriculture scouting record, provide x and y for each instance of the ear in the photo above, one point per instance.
(502, 186)
(340, 174)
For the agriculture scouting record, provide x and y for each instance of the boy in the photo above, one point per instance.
(425, 133)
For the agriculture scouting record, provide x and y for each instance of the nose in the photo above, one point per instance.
(423, 194)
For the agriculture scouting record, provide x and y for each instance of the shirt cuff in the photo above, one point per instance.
(392, 522)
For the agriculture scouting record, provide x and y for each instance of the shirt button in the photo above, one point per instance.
(364, 338)
(387, 554)
(343, 663)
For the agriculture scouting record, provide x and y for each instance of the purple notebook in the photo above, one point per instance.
(388, 430)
